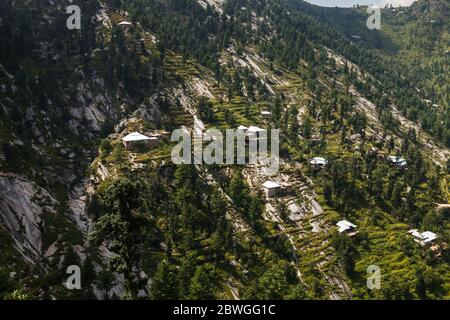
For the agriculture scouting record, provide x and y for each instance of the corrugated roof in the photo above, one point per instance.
(271, 185)
(429, 236)
(397, 160)
(345, 225)
(424, 237)
(319, 161)
(136, 136)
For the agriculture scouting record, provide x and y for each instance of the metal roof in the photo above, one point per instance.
(319, 160)
(136, 136)
(271, 185)
(345, 225)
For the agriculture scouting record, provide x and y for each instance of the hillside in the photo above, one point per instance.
(142, 227)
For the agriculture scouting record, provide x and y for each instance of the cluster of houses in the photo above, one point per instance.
(252, 132)
(396, 161)
(273, 189)
(136, 140)
(423, 238)
(399, 162)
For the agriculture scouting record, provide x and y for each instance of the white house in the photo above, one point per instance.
(397, 161)
(254, 130)
(423, 237)
(319, 162)
(125, 23)
(243, 128)
(137, 139)
(160, 134)
(345, 226)
(271, 188)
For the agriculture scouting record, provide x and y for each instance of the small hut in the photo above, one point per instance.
(137, 140)
(271, 188)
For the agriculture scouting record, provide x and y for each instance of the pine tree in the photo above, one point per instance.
(203, 283)
(120, 227)
(164, 283)
(328, 193)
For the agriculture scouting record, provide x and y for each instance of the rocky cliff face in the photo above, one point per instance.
(23, 205)
(59, 93)
(47, 143)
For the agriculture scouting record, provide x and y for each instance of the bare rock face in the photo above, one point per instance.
(22, 206)
(77, 204)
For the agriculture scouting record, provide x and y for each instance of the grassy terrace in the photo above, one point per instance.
(243, 112)
(177, 66)
(388, 246)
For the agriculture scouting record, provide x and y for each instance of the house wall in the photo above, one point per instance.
(273, 192)
(135, 145)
